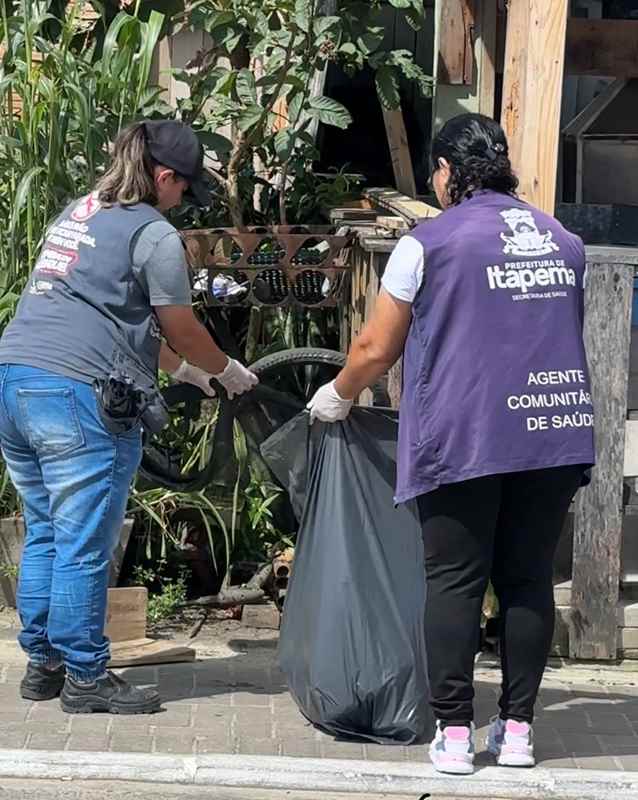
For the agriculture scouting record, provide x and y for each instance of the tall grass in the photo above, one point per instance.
(61, 101)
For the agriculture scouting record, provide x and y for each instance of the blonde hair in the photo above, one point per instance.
(129, 178)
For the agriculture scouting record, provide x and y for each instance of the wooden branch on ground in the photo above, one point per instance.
(249, 593)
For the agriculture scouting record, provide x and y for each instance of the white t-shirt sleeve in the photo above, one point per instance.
(404, 271)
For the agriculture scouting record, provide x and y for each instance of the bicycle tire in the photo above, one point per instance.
(153, 466)
(301, 356)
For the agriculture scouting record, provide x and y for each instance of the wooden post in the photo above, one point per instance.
(367, 269)
(532, 90)
(599, 512)
(486, 57)
(399, 151)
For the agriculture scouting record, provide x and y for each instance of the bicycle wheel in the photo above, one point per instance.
(288, 379)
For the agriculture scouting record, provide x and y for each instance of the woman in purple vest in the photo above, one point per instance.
(485, 303)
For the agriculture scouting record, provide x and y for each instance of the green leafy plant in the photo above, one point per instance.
(259, 80)
(169, 595)
(61, 102)
(9, 570)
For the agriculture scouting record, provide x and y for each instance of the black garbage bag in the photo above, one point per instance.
(352, 643)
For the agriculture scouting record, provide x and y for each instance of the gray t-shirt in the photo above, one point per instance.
(88, 307)
(157, 254)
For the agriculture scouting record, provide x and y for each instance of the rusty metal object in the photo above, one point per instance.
(282, 265)
(282, 570)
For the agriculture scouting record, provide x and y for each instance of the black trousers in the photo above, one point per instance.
(505, 527)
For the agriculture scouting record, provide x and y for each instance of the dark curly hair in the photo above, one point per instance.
(476, 149)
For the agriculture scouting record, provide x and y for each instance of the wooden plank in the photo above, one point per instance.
(136, 652)
(598, 515)
(399, 151)
(486, 57)
(455, 46)
(411, 210)
(606, 47)
(395, 224)
(532, 91)
(126, 613)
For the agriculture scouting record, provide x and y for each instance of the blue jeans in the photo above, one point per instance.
(73, 477)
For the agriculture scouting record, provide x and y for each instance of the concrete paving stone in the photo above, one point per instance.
(171, 743)
(259, 728)
(418, 753)
(130, 743)
(11, 695)
(563, 722)
(299, 731)
(47, 712)
(546, 752)
(170, 689)
(258, 746)
(557, 762)
(300, 748)
(140, 676)
(251, 676)
(13, 675)
(218, 696)
(130, 725)
(17, 728)
(90, 725)
(205, 716)
(214, 669)
(174, 716)
(257, 699)
(17, 715)
(215, 744)
(610, 744)
(381, 752)
(548, 698)
(12, 741)
(283, 702)
(612, 724)
(545, 733)
(597, 762)
(336, 749)
(97, 744)
(47, 741)
(582, 744)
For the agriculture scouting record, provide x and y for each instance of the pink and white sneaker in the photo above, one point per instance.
(452, 750)
(511, 742)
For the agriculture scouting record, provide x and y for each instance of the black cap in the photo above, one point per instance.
(176, 146)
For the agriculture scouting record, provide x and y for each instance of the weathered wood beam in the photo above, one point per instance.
(599, 513)
(455, 43)
(399, 151)
(602, 47)
(532, 92)
(486, 56)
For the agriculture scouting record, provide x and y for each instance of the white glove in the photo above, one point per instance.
(327, 406)
(236, 379)
(189, 373)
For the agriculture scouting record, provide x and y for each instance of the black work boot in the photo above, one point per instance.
(109, 693)
(40, 683)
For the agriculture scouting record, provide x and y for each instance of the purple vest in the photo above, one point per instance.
(495, 376)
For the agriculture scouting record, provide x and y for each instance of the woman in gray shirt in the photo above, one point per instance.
(109, 296)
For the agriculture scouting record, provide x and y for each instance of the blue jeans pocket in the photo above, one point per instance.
(50, 420)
